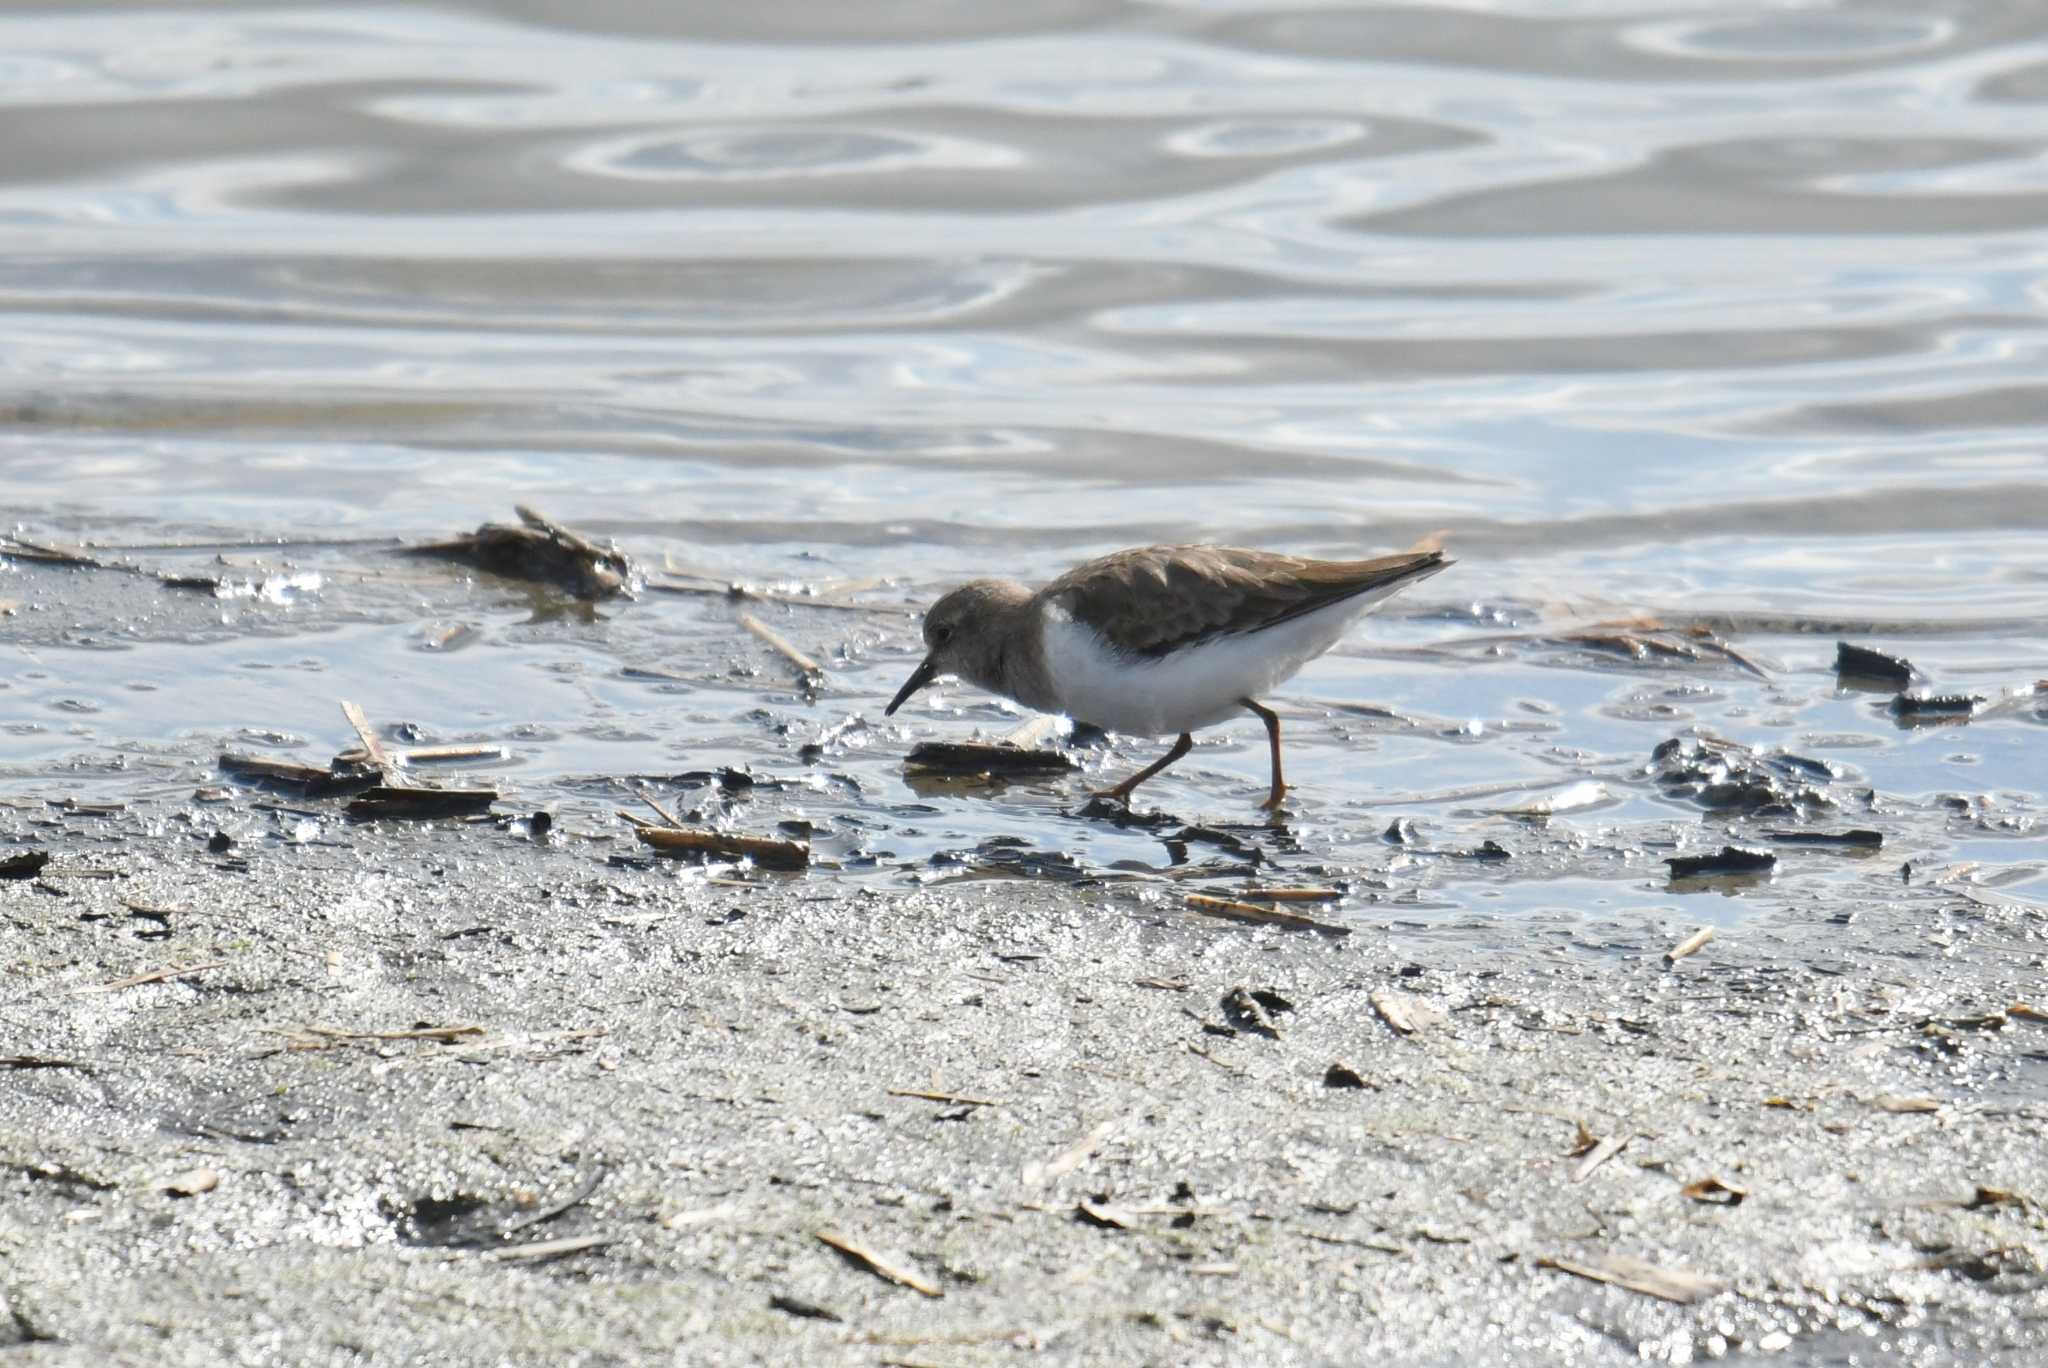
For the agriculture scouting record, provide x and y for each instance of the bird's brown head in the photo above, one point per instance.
(967, 633)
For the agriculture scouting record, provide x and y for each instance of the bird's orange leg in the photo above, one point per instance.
(1122, 792)
(1272, 721)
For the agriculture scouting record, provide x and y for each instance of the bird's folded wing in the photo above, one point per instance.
(1157, 599)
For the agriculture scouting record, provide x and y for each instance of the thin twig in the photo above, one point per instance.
(810, 669)
(741, 592)
(441, 1033)
(549, 1249)
(1598, 1155)
(154, 976)
(954, 1099)
(371, 745)
(660, 811)
(554, 1209)
(879, 1266)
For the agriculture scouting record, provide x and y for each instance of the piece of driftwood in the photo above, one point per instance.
(74, 807)
(541, 551)
(310, 780)
(1859, 839)
(406, 756)
(436, 755)
(1936, 706)
(388, 800)
(1729, 860)
(25, 865)
(1690, 945)
(767, 852)
(18, 549)
(1230, 909)
(990, 758)
(277, 771)
(1860, 663)
(79, 558)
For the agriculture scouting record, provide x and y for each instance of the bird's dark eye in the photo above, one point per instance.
(941, 635)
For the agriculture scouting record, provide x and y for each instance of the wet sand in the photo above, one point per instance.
(334, 1092)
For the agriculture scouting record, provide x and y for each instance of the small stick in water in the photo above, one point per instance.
(810, 671)
(371, 744)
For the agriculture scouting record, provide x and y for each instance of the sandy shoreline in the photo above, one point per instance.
(391, 1052)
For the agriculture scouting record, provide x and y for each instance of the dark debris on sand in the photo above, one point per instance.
(540, 550)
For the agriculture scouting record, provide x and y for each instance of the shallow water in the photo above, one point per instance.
(1727, 313)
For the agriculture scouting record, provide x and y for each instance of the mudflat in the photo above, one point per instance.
(282, 1085)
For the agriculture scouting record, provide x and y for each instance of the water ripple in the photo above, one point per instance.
(1051, 274)
(767, 153)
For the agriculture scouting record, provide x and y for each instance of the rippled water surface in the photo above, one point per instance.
(1726, 313)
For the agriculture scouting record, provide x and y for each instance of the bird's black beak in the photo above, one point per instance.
(921, 676)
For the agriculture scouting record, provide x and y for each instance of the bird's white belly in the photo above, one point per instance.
(1196, 686)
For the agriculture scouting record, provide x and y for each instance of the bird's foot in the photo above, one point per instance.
(1275, 799)
(1109, 805)
(1114, 808)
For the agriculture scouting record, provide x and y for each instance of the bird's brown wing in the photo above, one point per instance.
(1155, 599)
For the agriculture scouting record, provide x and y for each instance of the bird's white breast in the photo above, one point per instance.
(1195, 686)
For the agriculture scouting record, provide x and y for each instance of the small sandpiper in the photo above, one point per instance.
(1158, 640)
